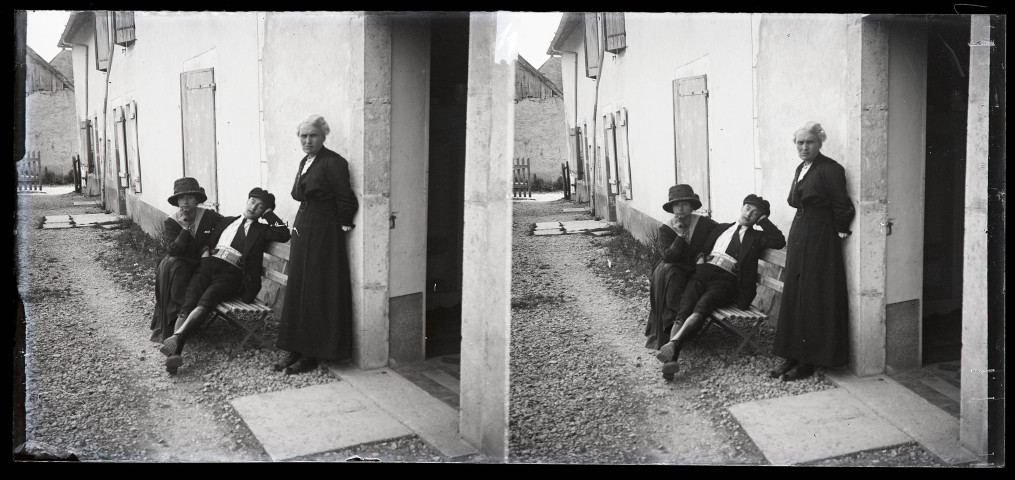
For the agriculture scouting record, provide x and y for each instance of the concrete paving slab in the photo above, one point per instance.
(95, 218)
(542, 225)
(433, 420)
(57, 218)
(320, 418)
(540, 233)
(935, 429)
(813, 426)
(52, 225)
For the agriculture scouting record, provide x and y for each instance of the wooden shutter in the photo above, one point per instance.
(102, 48)
(120, 147)
(132, 148)
(591, 45)
(623, 154)
(610, 131)
(197, 91)
(123, 22)
(690, 132)
(616, 36)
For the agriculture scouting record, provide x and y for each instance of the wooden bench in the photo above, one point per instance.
(766, 304)
(273, 282)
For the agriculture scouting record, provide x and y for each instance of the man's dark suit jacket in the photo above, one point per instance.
(751, 246)
(253, 249)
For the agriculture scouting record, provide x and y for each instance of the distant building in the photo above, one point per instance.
(540, 132)
(50, 127)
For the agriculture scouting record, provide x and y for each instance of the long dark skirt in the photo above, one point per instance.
(317, 313)
(666, 287)
(171, 278)
(813, 324)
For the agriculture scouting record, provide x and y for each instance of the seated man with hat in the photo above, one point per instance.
(232, 266)
(727, 272)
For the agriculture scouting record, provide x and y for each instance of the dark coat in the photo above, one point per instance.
(253, 249)
(181, 243)
(813, 325)
(173, 272)
(670, 275)
(751, 246)
(317, 312)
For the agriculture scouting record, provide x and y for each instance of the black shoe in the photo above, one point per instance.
(798, 372)
(289, 359)
(670, 369)
(302, 365)
(170, 345)
(173, 363)
(783, 368)
(666, 352)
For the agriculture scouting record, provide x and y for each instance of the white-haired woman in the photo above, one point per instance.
(812, 329)
(316, 319)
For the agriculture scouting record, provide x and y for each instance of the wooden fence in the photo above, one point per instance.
(75, 163)
(565, 179)
(522, 178)
(30, 172)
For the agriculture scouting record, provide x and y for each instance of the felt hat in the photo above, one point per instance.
(187, 186)
(682, 193)
(759, 202)
(264, 196)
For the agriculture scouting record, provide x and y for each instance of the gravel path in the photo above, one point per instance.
(584, 389)
(96, 387)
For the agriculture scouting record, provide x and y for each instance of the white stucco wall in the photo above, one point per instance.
(168, 44)
(801, 60)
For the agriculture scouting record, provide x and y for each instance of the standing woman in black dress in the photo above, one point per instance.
(813, 322)
(317, 314)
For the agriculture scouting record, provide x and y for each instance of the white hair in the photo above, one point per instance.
(811, 128)
(317, 122)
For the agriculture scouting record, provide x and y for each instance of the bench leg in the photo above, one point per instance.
(250, 332)
(745, 339)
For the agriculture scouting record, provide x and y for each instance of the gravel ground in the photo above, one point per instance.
(584, 389)
(96, 387)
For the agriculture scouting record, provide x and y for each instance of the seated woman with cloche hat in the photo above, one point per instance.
(184, 232)
(680, 241)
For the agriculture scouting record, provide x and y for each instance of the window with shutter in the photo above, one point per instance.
(123, 22)
(591, 45)
(102, 47)
(616, 36)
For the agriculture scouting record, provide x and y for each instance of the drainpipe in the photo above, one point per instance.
(105, 123)
(595, 118)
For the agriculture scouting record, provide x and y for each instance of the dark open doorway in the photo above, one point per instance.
(947, 94)
(449, 75)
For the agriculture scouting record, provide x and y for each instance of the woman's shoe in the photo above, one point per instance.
(302, 365)
(169, 345)
(783, 368)
(173, 363)
(798, 372)
(285, 362)
(666, 352)
(670, 369)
